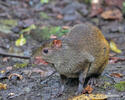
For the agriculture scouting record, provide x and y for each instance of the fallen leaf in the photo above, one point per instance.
(42, 72)
(28, 29)
(2, 71)
(59, 16)
(114, 14)
(9, 68)
(21, 41)
(44, 1)
(5, 59)
(90, 97)
(15, 74)
(3, 86)
(113, 60)
(117, 75)
(98, 97)
(80, 97)
(88, 89)
(66, 27)
(116, 3)
(57, 43)
(114, 47)
(53, 37)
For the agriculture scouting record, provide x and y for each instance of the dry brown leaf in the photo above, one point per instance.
(15, 74)
(42, 72)
(3, 86)
(113, 60)
(9, 68)
(5, 59)
(112, 14)
(88, 89)
(66, 27)
(53, 37)
(59, 16)
(116, 3)
(117, 75)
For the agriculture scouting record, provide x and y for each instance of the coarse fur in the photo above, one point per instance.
(84, 52)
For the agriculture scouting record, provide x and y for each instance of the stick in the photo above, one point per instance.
(13, 55)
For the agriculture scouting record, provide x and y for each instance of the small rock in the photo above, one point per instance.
(27, 89)
(70, 17)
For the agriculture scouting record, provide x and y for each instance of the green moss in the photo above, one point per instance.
(120, 86)
(10, 22)
(44, 15)
(87, 1)
(6, 25)
(20, 65)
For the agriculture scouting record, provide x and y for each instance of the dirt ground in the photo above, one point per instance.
(32, 82)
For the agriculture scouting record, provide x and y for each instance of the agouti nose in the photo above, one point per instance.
(45, 51)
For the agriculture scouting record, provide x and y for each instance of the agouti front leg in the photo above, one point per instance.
(83, 74)
(82, 77)
(63, 83)
(63, 80)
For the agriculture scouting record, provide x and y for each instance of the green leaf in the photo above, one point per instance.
(114, 47)
(44, 1)
(21, 41)
(88, 1)
(45, 32)
(123, 9)
(28, 29)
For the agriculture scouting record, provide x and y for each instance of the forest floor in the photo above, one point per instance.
(28, 82)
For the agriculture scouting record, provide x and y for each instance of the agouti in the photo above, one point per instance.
(84, 52)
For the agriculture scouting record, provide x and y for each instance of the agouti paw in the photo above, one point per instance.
(93, 81)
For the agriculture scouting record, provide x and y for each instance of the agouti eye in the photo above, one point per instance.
(45, 51)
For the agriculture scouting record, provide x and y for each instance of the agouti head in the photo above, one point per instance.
(53, 51)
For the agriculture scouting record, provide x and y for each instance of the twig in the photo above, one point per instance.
(13, 55)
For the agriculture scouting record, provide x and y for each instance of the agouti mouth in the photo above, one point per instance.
(39, 60)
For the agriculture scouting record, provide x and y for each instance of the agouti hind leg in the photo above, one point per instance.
(62, 85)
(93, 79)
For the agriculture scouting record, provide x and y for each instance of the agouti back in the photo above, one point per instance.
(82, 53)
(87, 37)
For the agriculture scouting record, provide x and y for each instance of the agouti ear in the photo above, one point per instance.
(57, 43)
